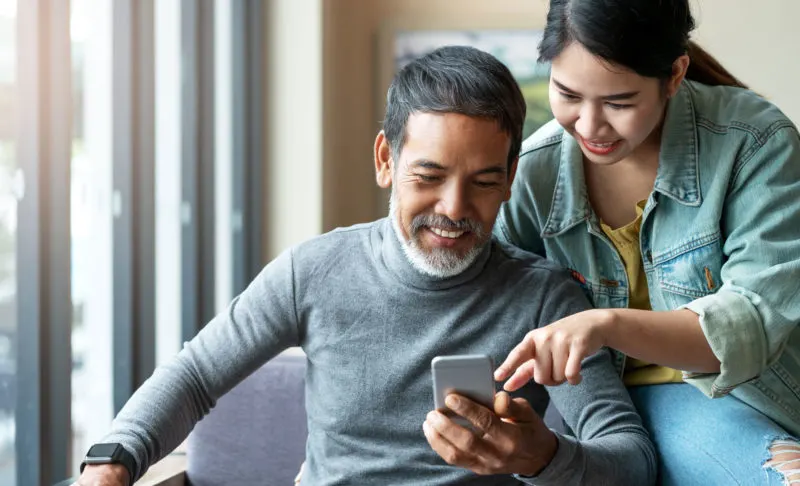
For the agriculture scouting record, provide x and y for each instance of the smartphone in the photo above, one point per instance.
(469, 375)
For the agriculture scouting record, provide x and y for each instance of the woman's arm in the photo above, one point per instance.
(553, 354)
(727, 337)
(674, 338)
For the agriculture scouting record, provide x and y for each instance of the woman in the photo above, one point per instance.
(672, 193)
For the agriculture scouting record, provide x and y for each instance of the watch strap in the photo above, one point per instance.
(122, 456)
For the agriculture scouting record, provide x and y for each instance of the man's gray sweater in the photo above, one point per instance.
(370, 324)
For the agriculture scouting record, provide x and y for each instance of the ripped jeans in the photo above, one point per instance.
(708, 442)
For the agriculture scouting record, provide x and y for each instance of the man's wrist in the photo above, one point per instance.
(111, 453)
(107, 471)
(546, 452)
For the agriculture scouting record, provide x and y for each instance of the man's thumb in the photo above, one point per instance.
(513, 410)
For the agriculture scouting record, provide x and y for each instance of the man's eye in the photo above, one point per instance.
(428, 178)
(617, 106)
(486, 183)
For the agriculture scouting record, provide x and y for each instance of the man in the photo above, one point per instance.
(372, 304)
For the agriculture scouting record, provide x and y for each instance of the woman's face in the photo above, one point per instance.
(612, 111)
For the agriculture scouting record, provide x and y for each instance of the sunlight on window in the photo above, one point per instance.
(8, 230)
(91, 223)
(8, 9)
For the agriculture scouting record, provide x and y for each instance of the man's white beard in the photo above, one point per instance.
(438, 262)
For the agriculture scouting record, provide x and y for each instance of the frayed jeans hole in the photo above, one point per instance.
(785, 459)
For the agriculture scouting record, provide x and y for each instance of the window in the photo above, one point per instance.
(107, 193)
(168, 178)
(8, 225)
(92, 204)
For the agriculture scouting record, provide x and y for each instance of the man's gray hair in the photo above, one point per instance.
(455, 79)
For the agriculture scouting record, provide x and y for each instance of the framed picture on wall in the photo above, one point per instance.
(512, 40)
(517, 49)
(514, 44)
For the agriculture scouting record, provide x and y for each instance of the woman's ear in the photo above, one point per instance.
(679, 68)
(384, 164)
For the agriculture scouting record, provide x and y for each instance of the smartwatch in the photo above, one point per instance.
(110, 453)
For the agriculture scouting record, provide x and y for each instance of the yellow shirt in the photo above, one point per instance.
(626, 241)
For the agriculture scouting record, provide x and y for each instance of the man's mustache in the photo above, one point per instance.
(443, 222)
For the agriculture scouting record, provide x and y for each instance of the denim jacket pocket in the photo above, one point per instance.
(606, 294)
(691, 269)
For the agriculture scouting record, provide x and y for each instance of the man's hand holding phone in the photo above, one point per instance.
(475, 428)
(511, 439)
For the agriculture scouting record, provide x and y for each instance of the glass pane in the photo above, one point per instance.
(91, 218)
(8, 228)
(168, 178)
(224, 220)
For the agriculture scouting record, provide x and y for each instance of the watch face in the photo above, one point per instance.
(103, 450)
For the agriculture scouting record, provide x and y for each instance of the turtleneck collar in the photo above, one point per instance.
(396, 261)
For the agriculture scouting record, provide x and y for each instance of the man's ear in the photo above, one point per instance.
(512, 172)
(384, 164)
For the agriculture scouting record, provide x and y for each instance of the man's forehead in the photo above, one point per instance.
(421, 120)
(455, 164)
(450, 140)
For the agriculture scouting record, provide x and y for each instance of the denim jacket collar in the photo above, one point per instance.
(678, 175)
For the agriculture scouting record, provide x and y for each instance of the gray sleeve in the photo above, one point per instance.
(257, 325)
(611, 446)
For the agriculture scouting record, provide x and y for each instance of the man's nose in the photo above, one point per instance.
(454, 202)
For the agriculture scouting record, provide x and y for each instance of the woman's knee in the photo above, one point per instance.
(784, 459)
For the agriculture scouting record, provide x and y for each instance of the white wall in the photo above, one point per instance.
(294, 123)
(324, 97)
(759, 42)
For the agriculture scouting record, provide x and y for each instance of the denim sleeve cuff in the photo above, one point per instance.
(733, 328)
(563, 468)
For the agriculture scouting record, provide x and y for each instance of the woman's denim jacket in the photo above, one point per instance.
(720, 235)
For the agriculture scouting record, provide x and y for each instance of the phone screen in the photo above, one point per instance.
(467, 375)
